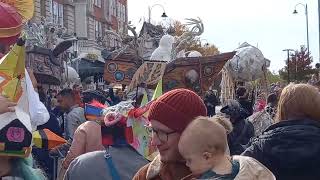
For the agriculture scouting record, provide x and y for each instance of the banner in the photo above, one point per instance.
(142, 137)
(149, 73)
(138, 120)
(15, 127)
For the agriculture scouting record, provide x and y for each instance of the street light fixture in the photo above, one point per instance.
(307, 21)
(164, 15)
(288, 60)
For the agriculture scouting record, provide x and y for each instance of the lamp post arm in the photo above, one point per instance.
(150, 9)
(300, 4)
(319, 25)
(307, 24)
(149, 14)
(307, 21)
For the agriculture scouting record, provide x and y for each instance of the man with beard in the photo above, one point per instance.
(169, 115)
(74, 113)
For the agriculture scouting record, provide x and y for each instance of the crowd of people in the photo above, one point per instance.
(275, 139)
(254, 136)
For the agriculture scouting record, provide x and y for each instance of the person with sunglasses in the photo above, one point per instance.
(169, 116)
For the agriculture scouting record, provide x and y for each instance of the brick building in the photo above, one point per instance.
(89, 19)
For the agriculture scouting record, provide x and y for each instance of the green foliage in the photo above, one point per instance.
(300, 68)
(273, 77)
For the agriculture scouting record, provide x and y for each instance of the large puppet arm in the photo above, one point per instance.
(38, 112)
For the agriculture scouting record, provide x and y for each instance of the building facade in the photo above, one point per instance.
(89, 20)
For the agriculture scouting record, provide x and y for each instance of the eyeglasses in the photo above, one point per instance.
(162, 136)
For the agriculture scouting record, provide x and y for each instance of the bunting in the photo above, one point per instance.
(46, 139)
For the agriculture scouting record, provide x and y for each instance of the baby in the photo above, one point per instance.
(204, 146)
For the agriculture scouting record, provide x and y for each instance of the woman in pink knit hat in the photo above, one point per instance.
(169, 115)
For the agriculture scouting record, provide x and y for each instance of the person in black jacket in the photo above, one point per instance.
(243, 99)
(211, 101)
(42, 155)
(291, 147)
(115, 99)
(242, 131)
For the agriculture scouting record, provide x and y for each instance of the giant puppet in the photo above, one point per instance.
(15, 84)
(15, 127)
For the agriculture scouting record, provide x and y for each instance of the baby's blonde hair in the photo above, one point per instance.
(298, 101)
(205, 134)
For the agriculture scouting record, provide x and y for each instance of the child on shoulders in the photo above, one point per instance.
(204, 146)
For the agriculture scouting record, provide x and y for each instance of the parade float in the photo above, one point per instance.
(16, 131)
(171, 66)
(169, 61)
(47, 55)
(158, 63)
(248, 69)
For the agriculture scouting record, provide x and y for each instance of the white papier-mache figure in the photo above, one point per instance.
(71, 76)
(163, 52)
(247, 64)
(194, 54)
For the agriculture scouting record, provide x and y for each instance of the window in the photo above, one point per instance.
(57, 13)
(98, 3)
(114, 5)
(120, 27)
(123, 13)
(118, 10)
(97, 29)
(50, 6)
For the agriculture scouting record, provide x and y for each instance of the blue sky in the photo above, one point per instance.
(268, 24)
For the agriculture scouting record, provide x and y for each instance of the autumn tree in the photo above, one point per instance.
(299, 66)
(206, 49)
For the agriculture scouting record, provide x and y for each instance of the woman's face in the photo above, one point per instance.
(5, 167)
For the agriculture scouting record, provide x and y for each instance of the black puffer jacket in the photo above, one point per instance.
(211, 101)
(243, 131)
(290, 149)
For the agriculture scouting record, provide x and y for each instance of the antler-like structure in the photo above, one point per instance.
(35, 34)
(133, 30)
(44, 34)
(134, 43)
(187, 37)
(198, 28)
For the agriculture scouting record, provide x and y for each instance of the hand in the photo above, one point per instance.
(6, 105)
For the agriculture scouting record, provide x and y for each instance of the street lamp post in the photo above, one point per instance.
(319, 25)
(307, 21)
(164, 15)
(288, 60)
